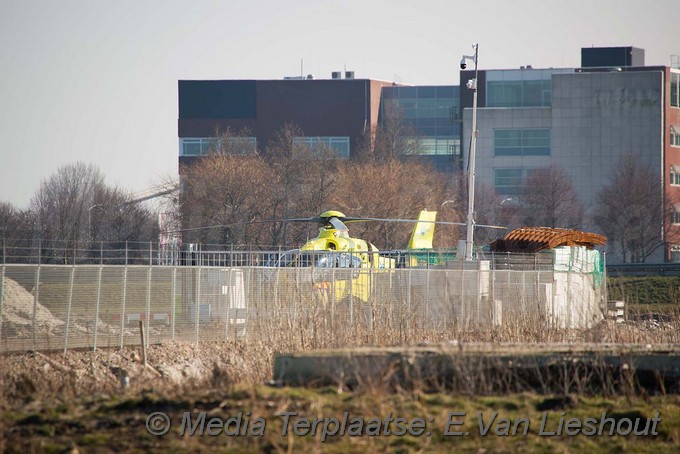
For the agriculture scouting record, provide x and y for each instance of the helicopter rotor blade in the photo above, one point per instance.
(337, 222)
(423, 221)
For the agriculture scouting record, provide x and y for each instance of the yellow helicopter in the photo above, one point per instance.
(342, 266)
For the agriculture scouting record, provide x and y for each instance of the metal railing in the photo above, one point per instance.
(152, 253)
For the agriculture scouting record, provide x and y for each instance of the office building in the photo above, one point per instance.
(583, 120)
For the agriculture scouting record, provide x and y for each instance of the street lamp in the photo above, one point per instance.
(470, 223)
(445, 202)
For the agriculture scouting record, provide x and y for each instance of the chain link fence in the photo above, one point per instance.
(94, 306)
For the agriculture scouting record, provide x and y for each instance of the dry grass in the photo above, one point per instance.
(57, 402)
(249, 361)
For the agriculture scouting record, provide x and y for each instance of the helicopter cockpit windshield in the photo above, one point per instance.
(320, 259)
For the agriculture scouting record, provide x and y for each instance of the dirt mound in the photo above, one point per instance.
(17, 312)
(171, 366)
(17, 316)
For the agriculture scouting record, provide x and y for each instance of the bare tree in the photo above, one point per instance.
(298, 179)
(227, 193)
(490, 209)
(74, 208)
(307, 174)
(61, 207)
(630, 210)
(395, 137)
(283, 143)
(233, 143)
(115, 217)
(9, 220)
(672, 217)
(548, 199)
(16, 232)
(390, 189)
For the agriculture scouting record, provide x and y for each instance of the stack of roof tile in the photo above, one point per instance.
(535, 239)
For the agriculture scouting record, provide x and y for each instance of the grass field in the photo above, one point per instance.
(75, 402)
(282, 420)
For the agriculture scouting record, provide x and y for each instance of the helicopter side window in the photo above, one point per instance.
(348, 261)
(325, 261)
(293, 258)
(343, 260)
(305, 261)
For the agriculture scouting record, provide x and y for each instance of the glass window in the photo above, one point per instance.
(408, 92)
(438, 146)
(518, 93)
(199, 146)
(675, 217)
(239, 146)
(426, 103)
(675, 90)
(504, 94)
(675, 176)
(445, 109)
(407, 103)
(191, 147)
(426, 92)
(195, 146)
(446, 92)
(509, 181)
(675, 136)
(432, 111)
(431, 122)
(675, 254)
(388, 93)
(521, 142)
(532, 95)
(338, 147)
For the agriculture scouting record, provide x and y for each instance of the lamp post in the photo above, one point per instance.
(470, 222)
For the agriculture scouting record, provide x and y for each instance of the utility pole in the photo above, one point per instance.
(470, 222)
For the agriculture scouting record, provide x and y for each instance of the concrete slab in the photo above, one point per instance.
(481, 367)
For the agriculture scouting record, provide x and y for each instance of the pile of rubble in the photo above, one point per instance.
(19, 309)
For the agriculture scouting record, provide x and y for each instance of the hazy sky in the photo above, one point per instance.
(96, 80)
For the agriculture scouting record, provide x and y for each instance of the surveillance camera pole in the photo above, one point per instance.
(470, 223)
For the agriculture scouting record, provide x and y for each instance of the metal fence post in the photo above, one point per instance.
(36, 297)
(197, 303)
(96, 309)
(148, 304)
(2, 295)
(427, 293)
(482, 312)
(409, 289)
(463, 302)
(172, 301)
(228, 301)
(68, 311)
(122, 310)
(603, 283)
